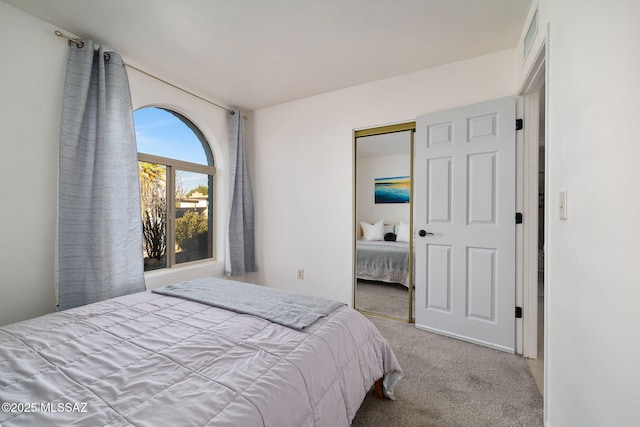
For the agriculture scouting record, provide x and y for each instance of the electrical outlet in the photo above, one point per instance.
(301, 274)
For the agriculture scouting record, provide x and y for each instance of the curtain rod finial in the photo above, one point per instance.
(78, 43)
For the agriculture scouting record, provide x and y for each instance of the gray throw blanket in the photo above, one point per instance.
(284, 308)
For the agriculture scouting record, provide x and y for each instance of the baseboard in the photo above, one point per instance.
(467, 339)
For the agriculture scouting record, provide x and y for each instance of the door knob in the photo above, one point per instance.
(423, 233)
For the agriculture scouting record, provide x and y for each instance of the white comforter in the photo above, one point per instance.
(153, 360)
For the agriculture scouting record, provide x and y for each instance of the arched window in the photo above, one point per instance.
(176, 172)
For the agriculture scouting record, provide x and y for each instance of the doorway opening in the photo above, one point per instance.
(536, 365)
(534, 196)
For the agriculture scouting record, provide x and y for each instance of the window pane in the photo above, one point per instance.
(153, 206)
(193, 216)
(167, 134)
(177, 211)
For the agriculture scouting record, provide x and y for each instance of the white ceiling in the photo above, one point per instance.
(256, 53)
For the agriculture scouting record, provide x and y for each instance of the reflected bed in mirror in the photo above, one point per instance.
(382, 272)
(383, 261)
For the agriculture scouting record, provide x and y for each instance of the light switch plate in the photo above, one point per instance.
(562, 204)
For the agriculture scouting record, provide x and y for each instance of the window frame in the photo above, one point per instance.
(171, 166)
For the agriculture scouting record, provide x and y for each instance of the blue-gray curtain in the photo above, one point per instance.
(99, 226)
(240, 247)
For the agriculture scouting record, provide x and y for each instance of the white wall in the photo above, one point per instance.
(594, 66)
(593, 273)
(32, 74)
(304, 165)
(370, 168)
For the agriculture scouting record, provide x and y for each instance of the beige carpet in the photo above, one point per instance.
(389, 299)
(452, 383)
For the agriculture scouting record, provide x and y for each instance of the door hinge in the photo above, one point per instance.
(518, 218)
(519, 124)
(518, 312)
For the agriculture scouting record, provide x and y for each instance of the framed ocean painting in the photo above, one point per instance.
(395, 189)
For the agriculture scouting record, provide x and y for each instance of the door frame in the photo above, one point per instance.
(527, 203)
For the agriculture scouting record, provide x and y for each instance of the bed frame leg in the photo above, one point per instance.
(378, 388)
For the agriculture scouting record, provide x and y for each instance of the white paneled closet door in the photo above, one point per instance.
(464, 209)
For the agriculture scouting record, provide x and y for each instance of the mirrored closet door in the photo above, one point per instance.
(382, 223)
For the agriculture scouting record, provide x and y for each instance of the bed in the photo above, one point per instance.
(383, 261)
(148, 359)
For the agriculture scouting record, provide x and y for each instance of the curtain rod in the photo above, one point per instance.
(80, 44)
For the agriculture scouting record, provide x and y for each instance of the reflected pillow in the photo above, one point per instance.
(389, 229)
(403, 232)
(373, 231)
